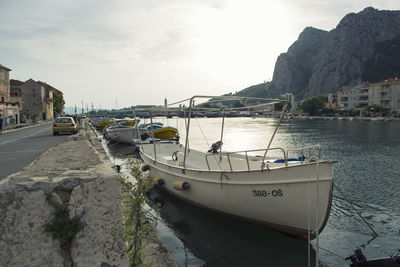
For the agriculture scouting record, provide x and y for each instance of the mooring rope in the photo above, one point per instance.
(317, 218)
(358, 213)
(201, 130)
(205, 138)
(308, 221)
(333, 253)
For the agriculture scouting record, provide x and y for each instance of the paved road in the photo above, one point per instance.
(18, 148)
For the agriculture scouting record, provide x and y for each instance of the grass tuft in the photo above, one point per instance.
(62, 227)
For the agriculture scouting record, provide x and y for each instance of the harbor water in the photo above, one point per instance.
(367, 172)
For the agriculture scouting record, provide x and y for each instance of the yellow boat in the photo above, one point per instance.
(164, 132)
(126, 122)
(103, 124)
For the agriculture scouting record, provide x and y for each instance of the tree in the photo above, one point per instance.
(279, 106)
(313, 105)
(58, 103)
(376, 109)
(237, 104)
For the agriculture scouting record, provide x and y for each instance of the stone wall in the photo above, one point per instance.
(78, 174)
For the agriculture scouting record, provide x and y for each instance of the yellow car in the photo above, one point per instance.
(64, 125)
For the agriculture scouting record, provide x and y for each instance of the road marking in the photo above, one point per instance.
(23, 151)
(12, 140)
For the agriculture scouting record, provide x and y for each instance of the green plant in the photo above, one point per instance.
(89, 138)
(58, 102)
(138, 223)
(62, 227)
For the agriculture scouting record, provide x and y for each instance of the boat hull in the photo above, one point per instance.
(123, 134)
(295, 200)
(165, 133)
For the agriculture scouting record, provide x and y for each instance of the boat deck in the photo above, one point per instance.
(173, 155)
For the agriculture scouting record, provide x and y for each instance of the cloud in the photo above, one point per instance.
(94, 50)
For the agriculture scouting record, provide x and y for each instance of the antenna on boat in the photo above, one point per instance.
(222, 131)
(187, 131)
(152, 134)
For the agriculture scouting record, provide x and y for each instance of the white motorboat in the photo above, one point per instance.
(122, 134)
(141, 133)
(289, 195)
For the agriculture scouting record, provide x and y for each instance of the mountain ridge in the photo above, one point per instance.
(362, 47)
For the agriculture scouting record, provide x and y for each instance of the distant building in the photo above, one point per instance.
(385, 94)
(342, 98)
(37, 98)
(289, 97)
(9, 110)
(16, 95)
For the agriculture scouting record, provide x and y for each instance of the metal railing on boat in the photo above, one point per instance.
(264, 163)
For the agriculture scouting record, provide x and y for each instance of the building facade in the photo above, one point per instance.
(4, 94)
(37, 99)
(385, 94)
(289, 97)
(9, 110)
(16, 97)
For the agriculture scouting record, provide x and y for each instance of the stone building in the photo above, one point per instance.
(4, 93)
(37, 99)
(9, 110)
(16, 97)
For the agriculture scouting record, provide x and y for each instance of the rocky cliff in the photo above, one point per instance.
(320, 62)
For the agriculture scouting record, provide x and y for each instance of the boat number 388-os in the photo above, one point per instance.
(263, 193)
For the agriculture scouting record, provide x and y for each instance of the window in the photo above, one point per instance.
(64, 120)
(2, 99)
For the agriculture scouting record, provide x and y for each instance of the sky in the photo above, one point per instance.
(120, 53)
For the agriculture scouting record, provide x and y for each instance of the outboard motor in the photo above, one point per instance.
(358, 259)
(144, 136)
(214, 147)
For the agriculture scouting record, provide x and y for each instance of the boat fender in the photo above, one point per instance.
(181, 185)
(175, 156)
(145, 168)
(159, 181)
(312, 159)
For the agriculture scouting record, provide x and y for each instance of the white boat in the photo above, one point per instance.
(289, 195)
(141, 133)
(122, 134)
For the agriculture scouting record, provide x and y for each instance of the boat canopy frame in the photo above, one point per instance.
(189, 110)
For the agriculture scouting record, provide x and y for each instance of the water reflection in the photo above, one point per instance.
(225, 241)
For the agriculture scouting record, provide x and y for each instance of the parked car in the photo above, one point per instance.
(64, 125)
